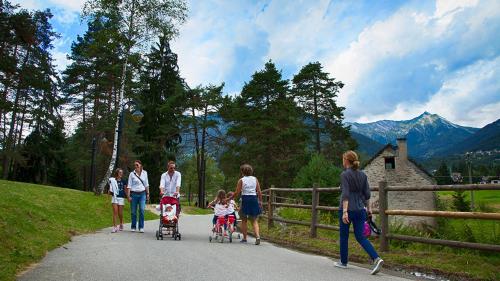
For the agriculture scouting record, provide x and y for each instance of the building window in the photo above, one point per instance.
(390, 163)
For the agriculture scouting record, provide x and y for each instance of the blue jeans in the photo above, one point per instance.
(138, 199)
(357, 218)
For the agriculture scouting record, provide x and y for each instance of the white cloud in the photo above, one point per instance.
(70, 5)
(296, 31)
(402, 33)
(207, 42)
(66, 16)
(468, 97)
(60, 60)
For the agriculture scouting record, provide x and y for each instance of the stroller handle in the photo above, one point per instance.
(171, 195)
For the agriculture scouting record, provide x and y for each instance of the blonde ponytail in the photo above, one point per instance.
(353, 159)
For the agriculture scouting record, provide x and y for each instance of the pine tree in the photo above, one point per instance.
(141, 22)
(163, 100)
(266, 130)
(316, 92)
(442, 175)
(204, 103)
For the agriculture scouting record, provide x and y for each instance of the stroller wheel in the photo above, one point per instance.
(210, 239)
(179, 236)
(157, 235)
(222, 239)
(175, 237)
(230, 238)
(239, 237)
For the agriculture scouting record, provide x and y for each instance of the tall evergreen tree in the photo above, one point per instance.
(163, 101)
(29, 94)
(316, 92)
(141, 22)
(442, 175)
(204, 103)
(266, 129)
(91, 84)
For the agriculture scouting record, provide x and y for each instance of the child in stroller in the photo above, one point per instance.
(169, 218)
(169, 215)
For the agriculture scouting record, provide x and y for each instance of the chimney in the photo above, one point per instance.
(402, 149)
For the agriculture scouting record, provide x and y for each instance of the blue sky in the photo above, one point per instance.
(396, 58)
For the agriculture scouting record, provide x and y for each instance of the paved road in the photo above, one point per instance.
(139, 256)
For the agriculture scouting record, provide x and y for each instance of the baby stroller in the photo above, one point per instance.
(169, 226)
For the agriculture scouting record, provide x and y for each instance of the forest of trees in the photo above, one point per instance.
(276, 125)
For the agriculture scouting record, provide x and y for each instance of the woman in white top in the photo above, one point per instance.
(117, 187)
(138, 193)
(251, 201)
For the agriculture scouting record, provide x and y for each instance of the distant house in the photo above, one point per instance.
(393, 165)
(495, 181)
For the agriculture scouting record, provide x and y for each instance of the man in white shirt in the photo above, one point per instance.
(170, 183)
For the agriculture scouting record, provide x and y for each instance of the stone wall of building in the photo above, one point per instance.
(405, 173)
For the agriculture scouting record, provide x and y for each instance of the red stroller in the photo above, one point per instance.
(169, 226)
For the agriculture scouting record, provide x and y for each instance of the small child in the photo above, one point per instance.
(220, 206)
(169, 213)
(231, 206)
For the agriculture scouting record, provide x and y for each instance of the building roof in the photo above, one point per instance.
(395, 147)
(380, 152)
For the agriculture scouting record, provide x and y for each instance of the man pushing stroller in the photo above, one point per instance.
(170, 184)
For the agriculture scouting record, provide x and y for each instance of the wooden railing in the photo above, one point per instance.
(383, 211)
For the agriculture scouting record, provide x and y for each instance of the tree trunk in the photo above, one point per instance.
(102, 184)
(22, 122)
(9, 141)
(202, 152)
(4, 95)
(201, 202)
(316, 118)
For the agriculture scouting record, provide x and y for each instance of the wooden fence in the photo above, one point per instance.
(383, 211)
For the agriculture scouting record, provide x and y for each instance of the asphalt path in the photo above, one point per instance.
(139, 256)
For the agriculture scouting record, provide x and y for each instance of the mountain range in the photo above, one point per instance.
(428, 135)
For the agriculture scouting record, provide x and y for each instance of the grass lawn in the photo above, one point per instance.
(456, 264)
(35, 219)
(192, 210)
(482, 198)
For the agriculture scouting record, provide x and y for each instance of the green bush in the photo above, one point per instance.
(318, 171)
(459, 201)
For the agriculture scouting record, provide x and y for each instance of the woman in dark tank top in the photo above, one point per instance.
(354, 205)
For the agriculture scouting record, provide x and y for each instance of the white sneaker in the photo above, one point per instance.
(141, 230)
(377, 266)
(340, 265)
(114, 230)
(133, 229)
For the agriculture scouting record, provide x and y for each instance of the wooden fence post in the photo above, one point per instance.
(270, 200)
(314, 211)
(384, 219)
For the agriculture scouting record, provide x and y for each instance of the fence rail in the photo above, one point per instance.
(383, 211)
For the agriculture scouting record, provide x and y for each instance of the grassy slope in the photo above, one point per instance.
(35, 219)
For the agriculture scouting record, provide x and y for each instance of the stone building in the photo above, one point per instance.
(393, 165)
